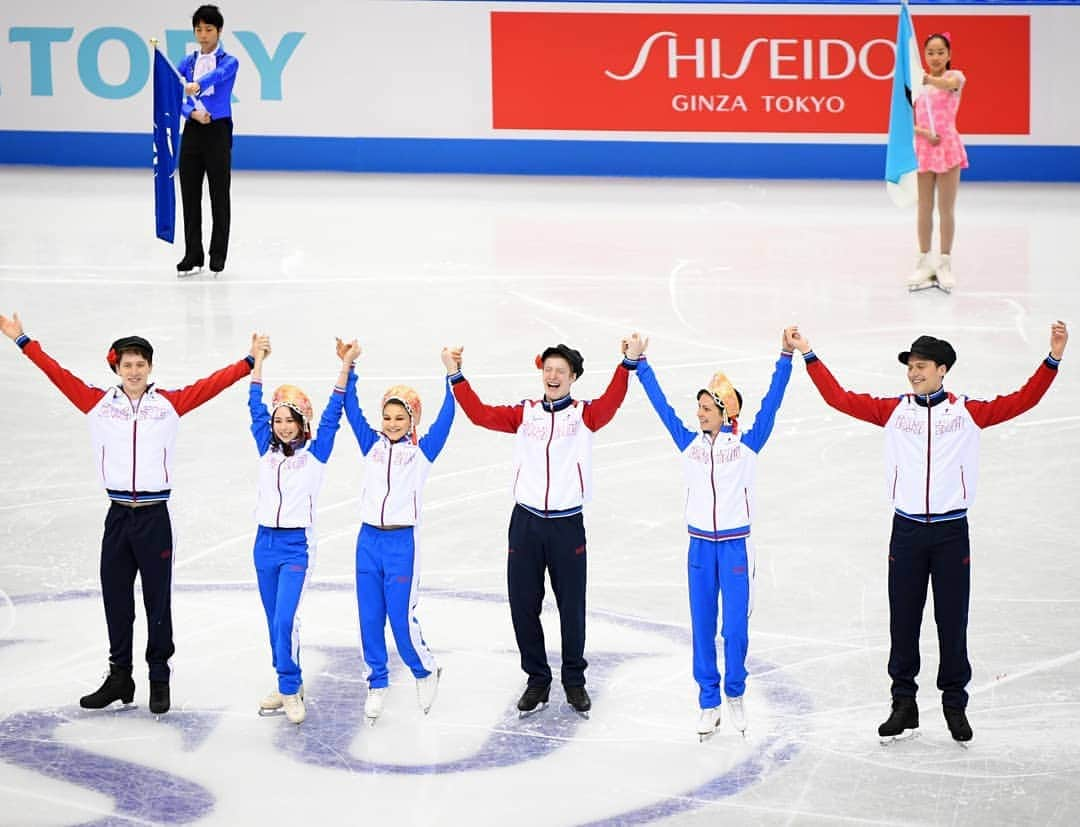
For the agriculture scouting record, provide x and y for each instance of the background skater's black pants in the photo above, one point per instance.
(206, 149)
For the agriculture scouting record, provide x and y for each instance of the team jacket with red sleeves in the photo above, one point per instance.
(133, 439)
(931, 441)
(553, 447)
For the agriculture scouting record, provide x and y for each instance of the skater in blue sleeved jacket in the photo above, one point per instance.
(291, 469)
(719, 462)
(387, 561)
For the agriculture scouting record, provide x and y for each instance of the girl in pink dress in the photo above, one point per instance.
(941, 157)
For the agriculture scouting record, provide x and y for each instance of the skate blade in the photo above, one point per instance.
(946, 290)
(906, 735)
(371, 721)
(706, 736)
(528, 713)
(271, 713)
(186, 274)
(918, 288)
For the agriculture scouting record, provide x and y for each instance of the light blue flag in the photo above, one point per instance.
(901, 164)
(167, 96)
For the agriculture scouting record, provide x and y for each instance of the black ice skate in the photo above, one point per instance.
(216, 264)
(159, 697)
(118, 686)
(959, 727)
(902, 723)
(579, 700)
(532, 700)
(188, 266)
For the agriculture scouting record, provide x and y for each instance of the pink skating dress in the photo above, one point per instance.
(942, 105)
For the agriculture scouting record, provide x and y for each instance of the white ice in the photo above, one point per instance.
(711, 271)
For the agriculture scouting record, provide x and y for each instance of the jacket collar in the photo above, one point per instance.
(930, 400)
(558, 404)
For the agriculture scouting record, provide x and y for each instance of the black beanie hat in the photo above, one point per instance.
(936, 350)
(136, 343)
(573, 358)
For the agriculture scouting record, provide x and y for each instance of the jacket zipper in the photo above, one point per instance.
(963, 485)
(281, 497)
(929, 428)
(382, 511)
(712, 481)
(547, 455)
(165, 463)
(134, 435)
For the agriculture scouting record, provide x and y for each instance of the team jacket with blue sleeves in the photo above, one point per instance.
(395, 472)
(931, 441)
(719, 470)
(289, 486)
(553, 445)
(133, 441)
(215, 87)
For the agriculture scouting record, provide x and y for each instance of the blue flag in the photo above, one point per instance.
(167, 96)
(901, 164)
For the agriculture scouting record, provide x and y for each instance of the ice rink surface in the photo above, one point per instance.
(711, 271)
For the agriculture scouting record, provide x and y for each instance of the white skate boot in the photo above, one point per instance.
(274, 703)
(427, 688)
(294, 708)
(738, 714)
(945, 278)
(708, 723)
(374, 704)
(923, 276)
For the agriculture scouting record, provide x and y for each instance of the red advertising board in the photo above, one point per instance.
(741, 72)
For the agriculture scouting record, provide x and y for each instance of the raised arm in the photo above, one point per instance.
(634, 349)
(188, 399)
(323, 444)
(81, 395)
(862, 406)
(366, 436)
(758, 433)
(261, 427)
(505, 418)
(1004, 408)
(434, 440)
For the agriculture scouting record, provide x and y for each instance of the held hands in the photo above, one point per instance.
(260, 346)
(633, 346)
(792, 340)
(201, 115)
(348, 352)
(192, 88)
(1059, 335)
(451, 358)
(12, 328)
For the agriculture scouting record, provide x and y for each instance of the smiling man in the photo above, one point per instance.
(552, 483)
(133, 429)
(931, 471)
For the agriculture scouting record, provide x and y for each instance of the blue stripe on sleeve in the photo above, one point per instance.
(682, 435)
(433, 441)
(260, 418)
(759, 432)
(323, 444)
(366, 436)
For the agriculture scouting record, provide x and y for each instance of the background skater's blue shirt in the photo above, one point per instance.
(219, 103)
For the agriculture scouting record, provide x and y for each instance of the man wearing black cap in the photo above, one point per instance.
(931, 468)
(552, 482)
(133, 431)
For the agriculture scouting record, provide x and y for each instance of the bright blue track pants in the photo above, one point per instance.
(715, 569)
(282, 563)
(387, 577)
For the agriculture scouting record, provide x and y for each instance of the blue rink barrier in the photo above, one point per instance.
(509, 156)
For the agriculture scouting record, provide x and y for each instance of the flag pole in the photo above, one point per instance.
(183, 81)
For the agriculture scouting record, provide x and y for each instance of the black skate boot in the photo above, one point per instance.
(118, 686)
(579, 699)
(957, 720)
(533, 699)
(216, 264)
(189, 266)
(159, 697)
(903, 721)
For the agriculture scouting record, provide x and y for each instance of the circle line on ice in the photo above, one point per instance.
(27, 737)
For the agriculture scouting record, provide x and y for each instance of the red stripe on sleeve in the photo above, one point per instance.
(188, 399)
(862, 406)
(600, 412)
(506, 418)
(81, 395)
(1003, 408)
